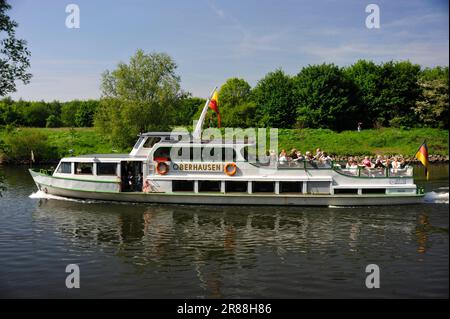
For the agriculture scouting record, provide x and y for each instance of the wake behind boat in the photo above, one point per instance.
(183, 168)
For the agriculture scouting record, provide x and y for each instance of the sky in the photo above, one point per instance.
(213, 40)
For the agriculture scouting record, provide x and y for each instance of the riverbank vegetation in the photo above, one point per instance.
(49, 144)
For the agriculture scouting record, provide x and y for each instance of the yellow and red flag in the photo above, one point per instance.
(422, 156)
(214, 105)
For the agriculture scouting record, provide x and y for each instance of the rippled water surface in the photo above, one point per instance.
(176, 251)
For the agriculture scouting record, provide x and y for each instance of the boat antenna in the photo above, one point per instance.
(198, 127)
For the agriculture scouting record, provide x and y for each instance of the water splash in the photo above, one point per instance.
(42, 195)
(436, 198)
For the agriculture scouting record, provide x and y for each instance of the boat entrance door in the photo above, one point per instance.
(131, 176)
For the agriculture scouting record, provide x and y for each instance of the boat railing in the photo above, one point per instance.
(43, 171)
(304, 165)
(360, 171)
(379, 172)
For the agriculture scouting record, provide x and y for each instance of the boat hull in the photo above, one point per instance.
(235, 198)
(53, 186)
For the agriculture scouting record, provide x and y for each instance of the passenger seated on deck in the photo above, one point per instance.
(310, 159)
(318, 154)
(349, 162)
(403, 163)
(293, 154)
(395, 165)
(366, 162)
(299, 157)
(388, 164)
(379, 162)
(325, 160)
(353, 168)
(283, 157)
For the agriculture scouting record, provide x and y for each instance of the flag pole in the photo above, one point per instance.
(198, 128)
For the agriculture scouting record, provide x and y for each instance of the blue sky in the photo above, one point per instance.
(213, 40)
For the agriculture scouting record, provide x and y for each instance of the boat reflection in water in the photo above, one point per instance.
(242, 252)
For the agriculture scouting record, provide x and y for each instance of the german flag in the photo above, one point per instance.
(422, 156)
(214, 105)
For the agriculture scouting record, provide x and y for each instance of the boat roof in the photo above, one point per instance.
(163, 134)
(103, 156)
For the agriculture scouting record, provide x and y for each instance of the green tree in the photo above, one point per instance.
(236, 107)
(138, 97)
(186, 110)
(388, 92)
(52, 121)
(366, 75)
(35, 114)
(432, 109)
(9, 113)
(84, 115)
(325, 98)
(14, 55)
(399, 93)
(19, 144)
(234, 92)
(274, 97)
(68, 113)
(242, 115)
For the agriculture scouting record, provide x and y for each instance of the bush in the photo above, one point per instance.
(17, 147)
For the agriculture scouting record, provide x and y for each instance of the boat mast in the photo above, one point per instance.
(198, 127)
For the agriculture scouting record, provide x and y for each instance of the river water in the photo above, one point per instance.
(176, 251)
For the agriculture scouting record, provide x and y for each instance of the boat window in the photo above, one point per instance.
(182, 186)
(235, 186)
(151, 141)
(138, 142)
(263, 187)
(84, 168)
(374, 190)
(346, 191)
(65, 168)
(291, 187)
(107, 169)
(162, 154)
(209, 186)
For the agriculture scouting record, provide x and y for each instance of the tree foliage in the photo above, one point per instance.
(388, 92)
(14, 55)
(139, 96)
(432, 108)
(186, 109)
(236, 105)
(274, 98)
(325, 98)
(145, 95)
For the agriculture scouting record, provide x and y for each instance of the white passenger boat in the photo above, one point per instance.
(182, 168)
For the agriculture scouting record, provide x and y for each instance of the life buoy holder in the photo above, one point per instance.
(233, 170)
(162, 168)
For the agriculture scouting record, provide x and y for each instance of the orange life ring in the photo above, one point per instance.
(162, 168)
(228, 172)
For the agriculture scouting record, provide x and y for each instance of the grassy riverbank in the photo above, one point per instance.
(385, 141)
(57, 142)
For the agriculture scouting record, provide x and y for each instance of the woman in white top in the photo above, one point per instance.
(283, 157)
(395, 165)
(349, 162)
